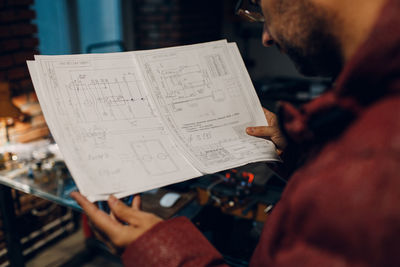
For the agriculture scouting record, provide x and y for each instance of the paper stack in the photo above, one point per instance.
(134, 121)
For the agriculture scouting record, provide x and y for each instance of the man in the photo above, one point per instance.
(341, 206)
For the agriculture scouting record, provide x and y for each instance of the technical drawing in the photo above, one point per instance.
(212, 154)
(116, 97)
(218, 95)
(186, 85)
(216, 65)
(98, 135)
(184, 82)
(154, 157)
(95, 135)
(56, 93)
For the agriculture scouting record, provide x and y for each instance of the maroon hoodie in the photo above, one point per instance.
(342, 205)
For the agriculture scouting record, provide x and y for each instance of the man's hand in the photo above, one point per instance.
(112, 225)
(271, 132)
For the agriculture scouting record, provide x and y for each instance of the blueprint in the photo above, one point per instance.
(134, 121)
(207, 100)
(110, 135)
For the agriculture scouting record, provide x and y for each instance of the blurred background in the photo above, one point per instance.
(83, 26)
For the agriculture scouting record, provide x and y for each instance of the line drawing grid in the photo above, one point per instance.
(114, 96)
(154, 157)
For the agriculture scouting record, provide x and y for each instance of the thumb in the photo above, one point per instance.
(261, 131)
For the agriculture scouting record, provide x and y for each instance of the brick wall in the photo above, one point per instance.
(17, 43)
(162, 23)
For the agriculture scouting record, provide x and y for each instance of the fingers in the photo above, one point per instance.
(86, 205)
(123, 212)
(266, 111)
(136, 202)
(99, 218)
(270, 116)
(261, 131)
(113, 216)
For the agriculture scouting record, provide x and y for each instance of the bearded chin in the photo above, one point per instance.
(304, 64)
(316, 59)
(316, 52)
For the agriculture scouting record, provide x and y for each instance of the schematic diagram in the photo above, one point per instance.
(216, 65)
(114, 96)
(186, 84)
(96, 135)
(154, 157)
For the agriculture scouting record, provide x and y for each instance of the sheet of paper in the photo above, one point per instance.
(206, 100)
(130, 122)
(107, 129)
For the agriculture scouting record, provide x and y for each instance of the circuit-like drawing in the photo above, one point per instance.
(114, 97)
(154, 157)
(187, 84)
(184, 82)
(216, 65)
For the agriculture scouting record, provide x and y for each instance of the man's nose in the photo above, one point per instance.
(267, 40)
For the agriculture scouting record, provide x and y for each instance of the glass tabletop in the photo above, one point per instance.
(53, 183)
(38, 168)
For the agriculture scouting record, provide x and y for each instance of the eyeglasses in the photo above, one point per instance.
(250, 10)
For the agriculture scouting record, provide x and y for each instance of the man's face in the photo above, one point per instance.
(302, 30)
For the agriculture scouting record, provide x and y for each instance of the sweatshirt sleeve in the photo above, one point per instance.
(174, 242)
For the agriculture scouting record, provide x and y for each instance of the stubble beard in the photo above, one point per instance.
(314, 50)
